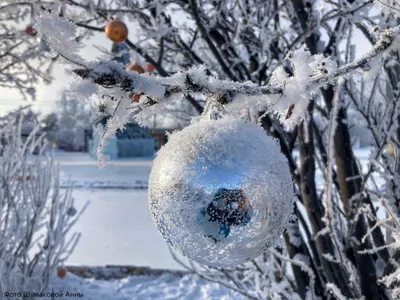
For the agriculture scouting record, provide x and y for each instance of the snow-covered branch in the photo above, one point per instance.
(199, 80)
(196, 80)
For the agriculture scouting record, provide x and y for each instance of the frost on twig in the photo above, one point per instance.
(335, 291)
(287, 96)
(64, 42)
(195, 80)
(388, 7)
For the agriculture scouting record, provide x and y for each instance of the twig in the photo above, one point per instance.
(108, 75)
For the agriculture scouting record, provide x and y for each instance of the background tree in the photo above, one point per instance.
(25, 60)
(35, 216)
(73, 117)
(49, 124)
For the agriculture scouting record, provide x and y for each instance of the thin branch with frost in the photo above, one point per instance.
(335, 291)
(65, 42)
(35, 217)
(225, 284)
(193, 268)
(198, 80)
(329, 219)
(195, 80)
(302, 266)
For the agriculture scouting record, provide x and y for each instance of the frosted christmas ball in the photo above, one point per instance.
(220, 191)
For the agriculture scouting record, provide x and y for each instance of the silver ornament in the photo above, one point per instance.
(220, 191)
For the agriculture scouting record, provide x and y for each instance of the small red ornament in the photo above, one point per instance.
(136, 98)
(150, 68)
(116, 31)
(30, 30)
(135, 67)
(61, 272)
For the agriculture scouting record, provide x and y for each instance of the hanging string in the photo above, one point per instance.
(213, 110)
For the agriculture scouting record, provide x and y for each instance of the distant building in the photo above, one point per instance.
(160, 135)
(160, 128)
(133, 141)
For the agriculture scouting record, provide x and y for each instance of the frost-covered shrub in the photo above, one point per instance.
(35, 215)
(393, 280)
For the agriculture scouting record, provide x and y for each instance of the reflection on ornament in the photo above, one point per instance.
(229, 207)
(220, 191)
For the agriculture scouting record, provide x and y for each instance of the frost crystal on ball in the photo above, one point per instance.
(221, 192)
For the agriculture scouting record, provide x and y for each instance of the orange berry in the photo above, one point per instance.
(116, 31)
(135, 67)
(150, 68)
(61, 272)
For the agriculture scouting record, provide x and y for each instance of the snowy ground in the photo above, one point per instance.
(117, 229)
(78, 170)
(162, 287)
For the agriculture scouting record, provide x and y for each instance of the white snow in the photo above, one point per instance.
(78, 170)
(162, 287)
(117, 229)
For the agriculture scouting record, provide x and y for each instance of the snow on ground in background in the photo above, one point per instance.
(162, 287)
(79, 170)
(117, 229)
